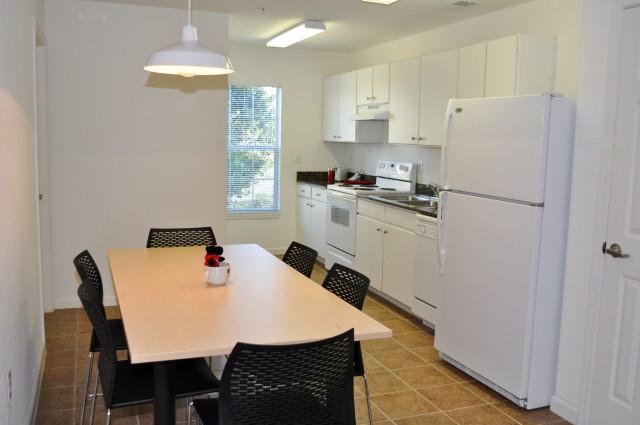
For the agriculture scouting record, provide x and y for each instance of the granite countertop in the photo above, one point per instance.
(428, 211)
(317, 178)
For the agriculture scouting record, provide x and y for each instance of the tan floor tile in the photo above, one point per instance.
(404, 404)
(55, 417)
(428, 354)
(362, 413)
(483, 392)
(371, 364)
(60, 343)
(57, 359)
(451, 371)
(371, 304)
(58, 377)
(382, 382)
(423, 377)
(382, 314)
(415, 339)
(398, 326)
(480, 415)
(60, 328)
(84, 326)
(63, 313)
(83, 342)
(379, 345)
(430, 419)
(55, 399)
(398, 359)
(528, 417)
(453, 396)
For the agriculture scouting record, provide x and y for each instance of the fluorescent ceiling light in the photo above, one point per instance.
(298, 33)
(188, 58)
(385, 2)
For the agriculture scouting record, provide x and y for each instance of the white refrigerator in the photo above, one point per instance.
(503, 215)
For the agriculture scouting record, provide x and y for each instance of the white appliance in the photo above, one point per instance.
(427, 270)
(503, 215)
(342, 201)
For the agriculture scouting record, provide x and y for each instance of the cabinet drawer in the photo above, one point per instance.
(318, 194)
(304, 190)
(371, 209)
(400, 218)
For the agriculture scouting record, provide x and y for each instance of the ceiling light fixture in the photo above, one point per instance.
(188, 58)
(296, 34)
(385, 2)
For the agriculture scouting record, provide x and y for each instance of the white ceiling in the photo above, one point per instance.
(351, 24)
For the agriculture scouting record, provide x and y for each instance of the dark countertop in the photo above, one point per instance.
(428, 211)
(317, 178)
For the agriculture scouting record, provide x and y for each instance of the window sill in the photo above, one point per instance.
(267, 215)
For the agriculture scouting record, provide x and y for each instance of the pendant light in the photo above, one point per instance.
(188, 58)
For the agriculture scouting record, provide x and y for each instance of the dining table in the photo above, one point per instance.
(170, 312)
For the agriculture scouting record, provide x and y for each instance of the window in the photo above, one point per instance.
(253, 169)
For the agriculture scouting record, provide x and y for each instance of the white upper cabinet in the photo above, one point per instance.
(502, 59)
(373, 85)
(438, 84)
(472, 69)
(339, 107)
(404, 101)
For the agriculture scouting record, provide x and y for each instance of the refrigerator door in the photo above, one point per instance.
(497, 147)
(489, 256)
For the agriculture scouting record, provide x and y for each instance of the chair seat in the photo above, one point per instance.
(117, 333)
(134, 383)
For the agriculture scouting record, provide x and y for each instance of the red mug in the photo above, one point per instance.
(331, 176)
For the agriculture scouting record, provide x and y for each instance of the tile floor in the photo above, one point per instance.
(409, 384)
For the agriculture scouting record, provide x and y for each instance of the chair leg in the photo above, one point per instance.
(108, 416)
(189, 407)
(93, 400)
(86, 387)
(366, 390)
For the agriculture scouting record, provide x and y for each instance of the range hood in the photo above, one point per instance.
(372, 113)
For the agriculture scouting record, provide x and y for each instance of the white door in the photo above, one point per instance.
(615, 384)
(502, 60)
(330, 108)
(438, 84)
(497, 147)
(404, 101)
(473, 61)
(399, 264)
(488, 257)
(364, 83)
(304, 221)
(369, 243)
(319, 229)
(380, 84)
(348, 108)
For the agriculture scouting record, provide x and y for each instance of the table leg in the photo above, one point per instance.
(164, 410)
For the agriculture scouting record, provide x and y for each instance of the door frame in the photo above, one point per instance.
(600, 19)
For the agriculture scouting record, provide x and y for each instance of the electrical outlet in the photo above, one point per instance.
(9, 386)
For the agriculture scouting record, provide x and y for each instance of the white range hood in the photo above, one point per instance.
(372, 113)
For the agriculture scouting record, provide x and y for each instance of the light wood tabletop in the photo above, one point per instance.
(170, 312)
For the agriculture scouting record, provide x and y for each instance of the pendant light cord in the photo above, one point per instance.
(189, 12)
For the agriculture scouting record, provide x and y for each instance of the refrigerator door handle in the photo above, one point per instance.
(442, 252)
(445, 146)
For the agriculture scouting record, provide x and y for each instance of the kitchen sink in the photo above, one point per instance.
(408, 200)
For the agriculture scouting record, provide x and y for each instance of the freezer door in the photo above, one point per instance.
(497, 147)
(489, 256)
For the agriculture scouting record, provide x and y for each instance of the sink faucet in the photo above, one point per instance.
(434, 189)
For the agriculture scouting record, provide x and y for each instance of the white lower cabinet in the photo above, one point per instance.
(385, 250)
(312, 218)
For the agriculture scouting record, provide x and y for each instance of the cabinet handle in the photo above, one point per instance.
(414, 138)
(373, 97)
(368, 98)
(385, 232)
(422, 138)
(377, 230)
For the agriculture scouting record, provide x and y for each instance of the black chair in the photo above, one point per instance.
(89, 272)
(302, 384)
(301, 257)
(190, 236)
(124, 384)
(352, 287)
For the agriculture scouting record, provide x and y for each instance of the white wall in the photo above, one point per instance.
(556, 17)
(128, 150)
(21, 316)
(299, 73)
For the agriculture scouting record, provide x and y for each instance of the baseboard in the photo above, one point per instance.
(36, 399)
(565, 410)
(75, 302)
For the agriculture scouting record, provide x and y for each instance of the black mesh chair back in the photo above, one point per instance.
(300, 257)
(107, 359)
(190, 236)
(347, 284)
(89, 272)
(303, 384)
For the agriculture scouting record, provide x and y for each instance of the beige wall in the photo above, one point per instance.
(21, 319)
(128, 150)
(299, 73)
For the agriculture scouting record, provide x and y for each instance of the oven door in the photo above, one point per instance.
(341, 222)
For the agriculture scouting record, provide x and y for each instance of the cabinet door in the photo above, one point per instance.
(502, 60)
(380, 84)
(369, 243)
(319, 227)
(438, 84)
(398, 270)
(471, 78)
(346, 124)
(330, 108)
(404, 101)
(364, 84)
(303, 223)
(536, 64)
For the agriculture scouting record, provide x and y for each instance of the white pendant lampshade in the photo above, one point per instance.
(188, 58)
